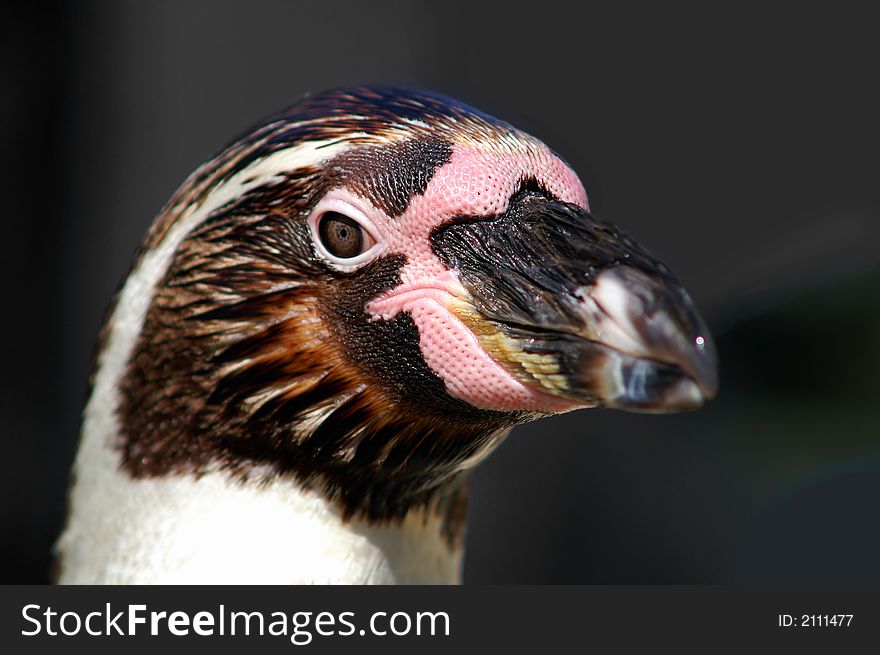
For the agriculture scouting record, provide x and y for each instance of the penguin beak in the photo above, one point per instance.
(646, 347)
(574, 307)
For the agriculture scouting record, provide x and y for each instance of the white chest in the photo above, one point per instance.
(216, 530)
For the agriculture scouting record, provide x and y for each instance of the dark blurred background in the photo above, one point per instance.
(740, 145)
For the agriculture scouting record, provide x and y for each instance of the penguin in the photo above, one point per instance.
(332, 323)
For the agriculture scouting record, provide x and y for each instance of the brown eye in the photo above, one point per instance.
(341, 236)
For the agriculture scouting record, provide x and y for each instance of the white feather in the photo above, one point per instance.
(183, 530)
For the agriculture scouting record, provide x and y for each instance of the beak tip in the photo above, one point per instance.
(705, 366)
(709, 389)
(685, 396)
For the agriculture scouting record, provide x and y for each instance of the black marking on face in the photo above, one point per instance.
(390, 175)
(389, 351)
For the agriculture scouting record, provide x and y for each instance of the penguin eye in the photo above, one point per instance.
(342, 236)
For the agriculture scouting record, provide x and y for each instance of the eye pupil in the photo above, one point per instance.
(340, 235)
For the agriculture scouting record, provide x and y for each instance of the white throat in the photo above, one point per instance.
(214, 529)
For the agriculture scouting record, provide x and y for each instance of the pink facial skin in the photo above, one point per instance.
(475, 182)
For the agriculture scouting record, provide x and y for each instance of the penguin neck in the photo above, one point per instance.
(216, 528)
